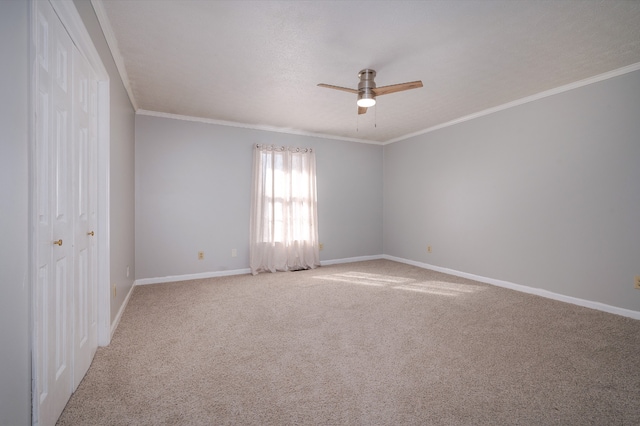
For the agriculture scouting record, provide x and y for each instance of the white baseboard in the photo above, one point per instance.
(498, 283)
(522, 288)
(187, 277)
(116, 321)
(350, 260)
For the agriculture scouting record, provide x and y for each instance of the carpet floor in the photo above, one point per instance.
(366, 343)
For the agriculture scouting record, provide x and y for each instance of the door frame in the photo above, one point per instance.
(72, 22)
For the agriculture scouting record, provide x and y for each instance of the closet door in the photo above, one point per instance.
(85, 330)
(53, 294)
(65, 293)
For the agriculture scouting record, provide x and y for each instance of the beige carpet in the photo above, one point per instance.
(368, 343)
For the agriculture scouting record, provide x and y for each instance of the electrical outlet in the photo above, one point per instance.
(127, 271)
(321, 246)
(637, 282)
(234, 252)
(200, 255)
(428, 249)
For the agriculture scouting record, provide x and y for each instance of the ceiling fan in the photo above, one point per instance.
(367, 90)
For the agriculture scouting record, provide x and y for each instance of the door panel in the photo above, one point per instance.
(60, 318)
(61, 374)
(85, 339)
(61, 182)
(44, 250)
(42, 335)
(54, 235)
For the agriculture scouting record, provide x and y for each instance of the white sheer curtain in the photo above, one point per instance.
(284, 219)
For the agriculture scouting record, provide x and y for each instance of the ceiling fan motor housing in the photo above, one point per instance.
(366, 81)
(365, 88)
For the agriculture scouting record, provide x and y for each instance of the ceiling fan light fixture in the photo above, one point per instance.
(367, 89)
(366, 100)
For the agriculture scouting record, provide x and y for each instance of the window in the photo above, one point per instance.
(283, 231)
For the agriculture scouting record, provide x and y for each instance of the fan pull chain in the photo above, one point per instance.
(375, 117)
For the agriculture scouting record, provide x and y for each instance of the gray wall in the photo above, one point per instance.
(193, 185)
(546, 194)
(15, 376)
(121, 179)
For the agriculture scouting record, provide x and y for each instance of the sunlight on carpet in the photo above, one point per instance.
(439, 288)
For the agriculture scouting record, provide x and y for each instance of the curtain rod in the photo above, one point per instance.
(282, 148)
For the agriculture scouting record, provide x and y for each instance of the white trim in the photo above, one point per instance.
(351, 260)
(252, 126)
(203, 275)
(524, 289)
(70, 18)
(118, 317)
(33, 202)
(104, 203)
(537, 96)
(109, 35)
(498, 283)
(188, 277)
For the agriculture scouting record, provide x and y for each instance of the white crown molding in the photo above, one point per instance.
(252, 126)
(524, 289)
(537, 96)
(107, 30)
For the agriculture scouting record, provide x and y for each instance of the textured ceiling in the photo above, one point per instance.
(259, 63)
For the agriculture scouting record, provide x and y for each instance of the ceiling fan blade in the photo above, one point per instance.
(362, 110)
(344, 89)
(385, 90)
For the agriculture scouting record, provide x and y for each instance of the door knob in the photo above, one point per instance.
(91, 233)
(58, 243)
